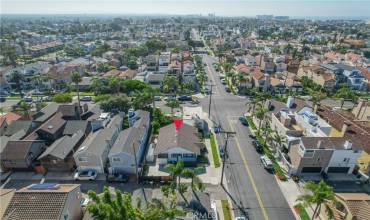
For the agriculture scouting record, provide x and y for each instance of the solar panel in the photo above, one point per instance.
(46, 186)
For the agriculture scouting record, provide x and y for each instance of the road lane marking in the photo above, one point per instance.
(262, 207)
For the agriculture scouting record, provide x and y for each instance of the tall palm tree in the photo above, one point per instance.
(260, 114)
(196, 183)
(25, 108)
(317, 97)
(320, 193)
(278, 139)
(17, 77)
(76, 79)
(176, 170)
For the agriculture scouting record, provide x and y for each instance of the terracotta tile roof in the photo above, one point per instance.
(128, 74)
(365, 72)
(240, 66)
(357, 203)
(357, 132)
(9, 117)
(257, 74)
(113, 72)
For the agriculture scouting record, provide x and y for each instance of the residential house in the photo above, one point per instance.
(73, 126)
(16, 126)
(60, 74)
(59, 155)
(260, 80)
(45, 113)
(21, 154)
(6, 196)
(44, 48)
(46, 201)
(348, 127)
(182, 144)
(337, 72)
(154, 79)
(163, 61)
(354, 77)
(325, 79)
(129, 148)
(266, 64)
(52, 129)
(323, 154)
(70, 111)
(151, 62)
(6, 120)
(348, 206)
(93, 152)
(362, 110)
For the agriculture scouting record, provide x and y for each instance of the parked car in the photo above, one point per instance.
(27, 99)
(86, 98)
(157, 98)
(46, 98)
(243, 120)
(258, 146)
(227, 89)
(2, 98)
(184, 98)
(85, 201)
(88, 174)
(240, 218)
(252, 136)
(221, 150)
(266, 162)
(195, 102)
(117, 178)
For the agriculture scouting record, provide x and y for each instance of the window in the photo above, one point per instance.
(82, 159)
(116, 159)
(175, 155)
(162, 155)
(309, 153)
(188, 155)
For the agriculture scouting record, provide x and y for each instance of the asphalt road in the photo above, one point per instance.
(253, 190)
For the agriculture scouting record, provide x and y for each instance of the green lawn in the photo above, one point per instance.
(251, 123)
(302, 212)
(226, 210)
(216, 159)
(83, 93)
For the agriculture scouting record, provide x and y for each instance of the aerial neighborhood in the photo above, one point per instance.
(204, 117)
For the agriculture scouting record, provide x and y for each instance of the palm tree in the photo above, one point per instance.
(17, 77)
(260, 114)
(278, 139)
(24, 107)
(76, 79)
(254, 101)
(176, 170)
(320, 193)
(196, 183)
(317, 97)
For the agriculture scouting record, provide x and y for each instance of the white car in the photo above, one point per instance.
(266, 162)
(240, 218)
(88, 174)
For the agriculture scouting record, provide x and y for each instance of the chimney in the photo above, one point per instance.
(319, 144)
(316, 107)
(347, 145)
(345, 128)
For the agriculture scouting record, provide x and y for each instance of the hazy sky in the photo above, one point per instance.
(326, 8)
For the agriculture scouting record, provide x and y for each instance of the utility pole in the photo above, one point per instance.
(210, 100)
(136, 168)
(228, 134)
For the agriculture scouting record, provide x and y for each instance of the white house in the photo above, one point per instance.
(130, 143)
(173, 145)
(93, 152)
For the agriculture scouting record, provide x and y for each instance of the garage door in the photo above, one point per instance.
(311, 169)
(338, 169)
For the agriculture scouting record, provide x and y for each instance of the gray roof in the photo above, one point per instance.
(63, 146)
(186, 138)
(326, 143)
(17, 126)
(72, 126)
(132, 135)
(344, 67)
(329, 66)
(96, 142)
(4, 139)
(154, 77)
(47, 112)
(116, 122)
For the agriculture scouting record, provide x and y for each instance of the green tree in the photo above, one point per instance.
(196, 182)
(345, 92)
(116, 103)
(172, 104)
(142, 99)
(176, 171)
(319, 194)
(9, 55)
(132, 85)
(17, 77)
(278, 139)
(76, 79)
(62, 98)
(25, 109)
(132, 64)
(170, 84)
(260, 114)
(154, 45)
(114, 84)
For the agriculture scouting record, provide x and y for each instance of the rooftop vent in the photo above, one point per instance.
(347, 145)
(50, 127)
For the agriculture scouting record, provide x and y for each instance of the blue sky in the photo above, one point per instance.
(300, 8)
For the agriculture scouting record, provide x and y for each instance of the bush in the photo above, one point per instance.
(99, 98)
(226, 210)
(62, 98)
(301, 211)
(251, 123)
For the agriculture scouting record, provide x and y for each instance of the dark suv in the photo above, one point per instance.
(258, 146)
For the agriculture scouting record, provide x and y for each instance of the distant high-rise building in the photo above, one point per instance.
(265, 17)
(281, 18)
